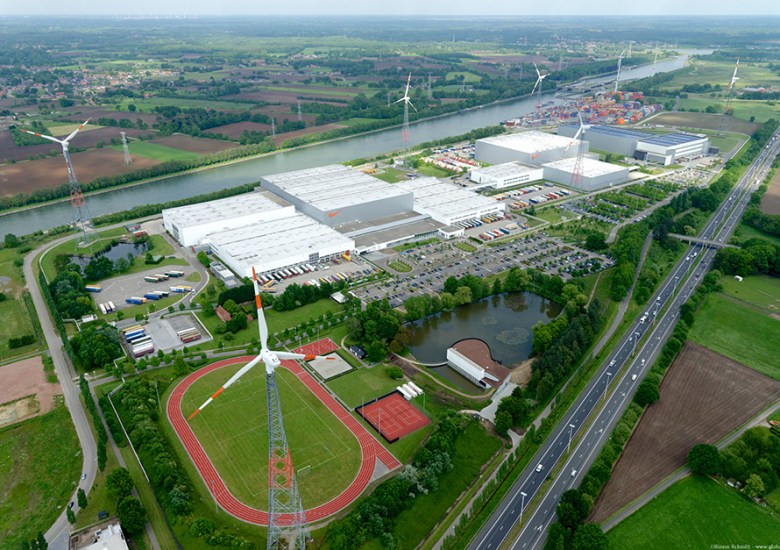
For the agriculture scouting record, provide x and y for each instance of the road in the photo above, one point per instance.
(625, 368)
(57, 536)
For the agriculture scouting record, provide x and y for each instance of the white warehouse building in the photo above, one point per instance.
(532, 147)
(509, 174)
(667, 149)
(447, 203)
(595, 174)
(277, 244)
(190, 224)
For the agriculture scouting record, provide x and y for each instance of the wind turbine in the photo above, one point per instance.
(620, 62)
(539, 78)
(287, 525)
(407, 102)
(81, 219)
(576, 176)
(724, 120)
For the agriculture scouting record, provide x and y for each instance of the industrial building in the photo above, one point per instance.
(621, 141)
(272, 245)
(664, 149)
(447, 203)
(669, 148)
(595, 174)
(509, 174)
(336, 194)
(471, 358)
(531, 147)
(190, 224)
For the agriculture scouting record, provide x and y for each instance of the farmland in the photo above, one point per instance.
(155, 151)
(770, 202)
(705, 121)
(760, 290)
(233, 432)
(697, 513)
(739, 332)
(704, 396)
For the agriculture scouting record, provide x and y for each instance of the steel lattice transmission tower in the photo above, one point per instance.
(287, 525)
(405, 132)
(300, 112)
(81, 218)
(273, 127)
(725, 120)
(579, 162)
(126, 149)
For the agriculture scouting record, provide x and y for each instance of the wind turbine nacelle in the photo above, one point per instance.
(270, 359)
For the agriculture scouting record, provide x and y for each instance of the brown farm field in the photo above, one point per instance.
(770, 202)
(281, 138)
(704, 397)
(26, 176)
(705, 121)
(24, 391)
(234, 131)
(9, 150)
(202, 146)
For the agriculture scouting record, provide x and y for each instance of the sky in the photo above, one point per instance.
(397, 7)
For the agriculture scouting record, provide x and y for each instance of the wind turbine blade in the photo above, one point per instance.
(400, 100)
(408, 82)
(242, 371)
(412, 106)
(538, 74)
(76, 131)
(288, 355)
(582, 124)
(535, 85)
(261, 324)
(36, 134)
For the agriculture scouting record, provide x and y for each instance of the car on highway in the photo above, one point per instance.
(539, 467)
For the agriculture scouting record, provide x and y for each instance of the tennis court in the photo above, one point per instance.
(393, 416)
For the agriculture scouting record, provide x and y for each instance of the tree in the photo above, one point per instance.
(179, 366)
(503, 423)
(596, 241)
(376, 351)
(704, 460)
(754, 486)
(11, 241)
(572, 509)
(119, 483)
(82, 498)
(646, 394)
(590, 537)
(394, 372)
(132, 516)
(70, 515)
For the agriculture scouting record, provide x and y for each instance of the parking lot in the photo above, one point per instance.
(163, 330)
(354, 269)
(119, 288)
(434, 263)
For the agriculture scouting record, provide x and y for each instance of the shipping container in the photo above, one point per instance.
(152, 279)
(93, 288)
(152, 296)
(135, 300)
(102, 309)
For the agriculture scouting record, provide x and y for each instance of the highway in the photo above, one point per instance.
(624, 369)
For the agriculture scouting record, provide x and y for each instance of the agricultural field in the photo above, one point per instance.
(770, 202)
(740, 332)
(744, 232)
(704, 396)
(155, 151)
(742, 109)
(25, 391)
(233, 432)
(40, 462)
(13, 309)
(760, 290)
(189, 144)
(704, 121)
(697, 513)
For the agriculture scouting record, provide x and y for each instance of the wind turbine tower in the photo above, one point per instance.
(126, 149)
(430, 87)
(273, 127)
(617, 77)
(81, 218)
(405, 132)
(655, 59)
(725, 120)
(300, 112)
(287, 524)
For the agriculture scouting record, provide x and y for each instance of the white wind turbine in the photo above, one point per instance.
(539, 79)
(620, 62)
(81, 219)
(283, 496)
(407, 103)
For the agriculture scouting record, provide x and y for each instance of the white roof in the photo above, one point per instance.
(220, 209)
(333, 186)
(506, 170)
(529, 142)
(466, 364)
(110, 538)
(256, 244)
(590, 167)
(433, 195)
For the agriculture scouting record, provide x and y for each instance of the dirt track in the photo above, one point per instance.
(704, 396)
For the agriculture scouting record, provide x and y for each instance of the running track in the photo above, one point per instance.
(370, 449)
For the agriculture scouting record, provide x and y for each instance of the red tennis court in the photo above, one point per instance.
(393, 416)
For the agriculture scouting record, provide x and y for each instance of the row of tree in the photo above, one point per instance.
(86, 395)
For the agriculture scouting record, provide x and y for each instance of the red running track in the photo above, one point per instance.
(370, 449)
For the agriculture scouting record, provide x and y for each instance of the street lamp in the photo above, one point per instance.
(636, 341)
(571, 428)
(607, 384)
(522, 504)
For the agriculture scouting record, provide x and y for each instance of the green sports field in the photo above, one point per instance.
(739, 332)
(234, 433)
(697, 513)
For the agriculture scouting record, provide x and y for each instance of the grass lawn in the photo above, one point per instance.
(355, 121)
(362, 384)
(40, 462)
(193, 277)
(409, 246)
(59, 129)
(696, 513)
(233, 431)
(465, 247)
(16, 322)
(745, 232)
(98, 498)
(743, 109)
(399, 266)
(760, 290)
(391, 175)
(552, 215)
(773, 499)
(472, 450)
(155, 151)
(69, 247)
(741, 333)
(148, 104)
(434, 171)
(467, 76)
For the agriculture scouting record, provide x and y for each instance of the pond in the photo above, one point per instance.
(505, 322)
(118, 250)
